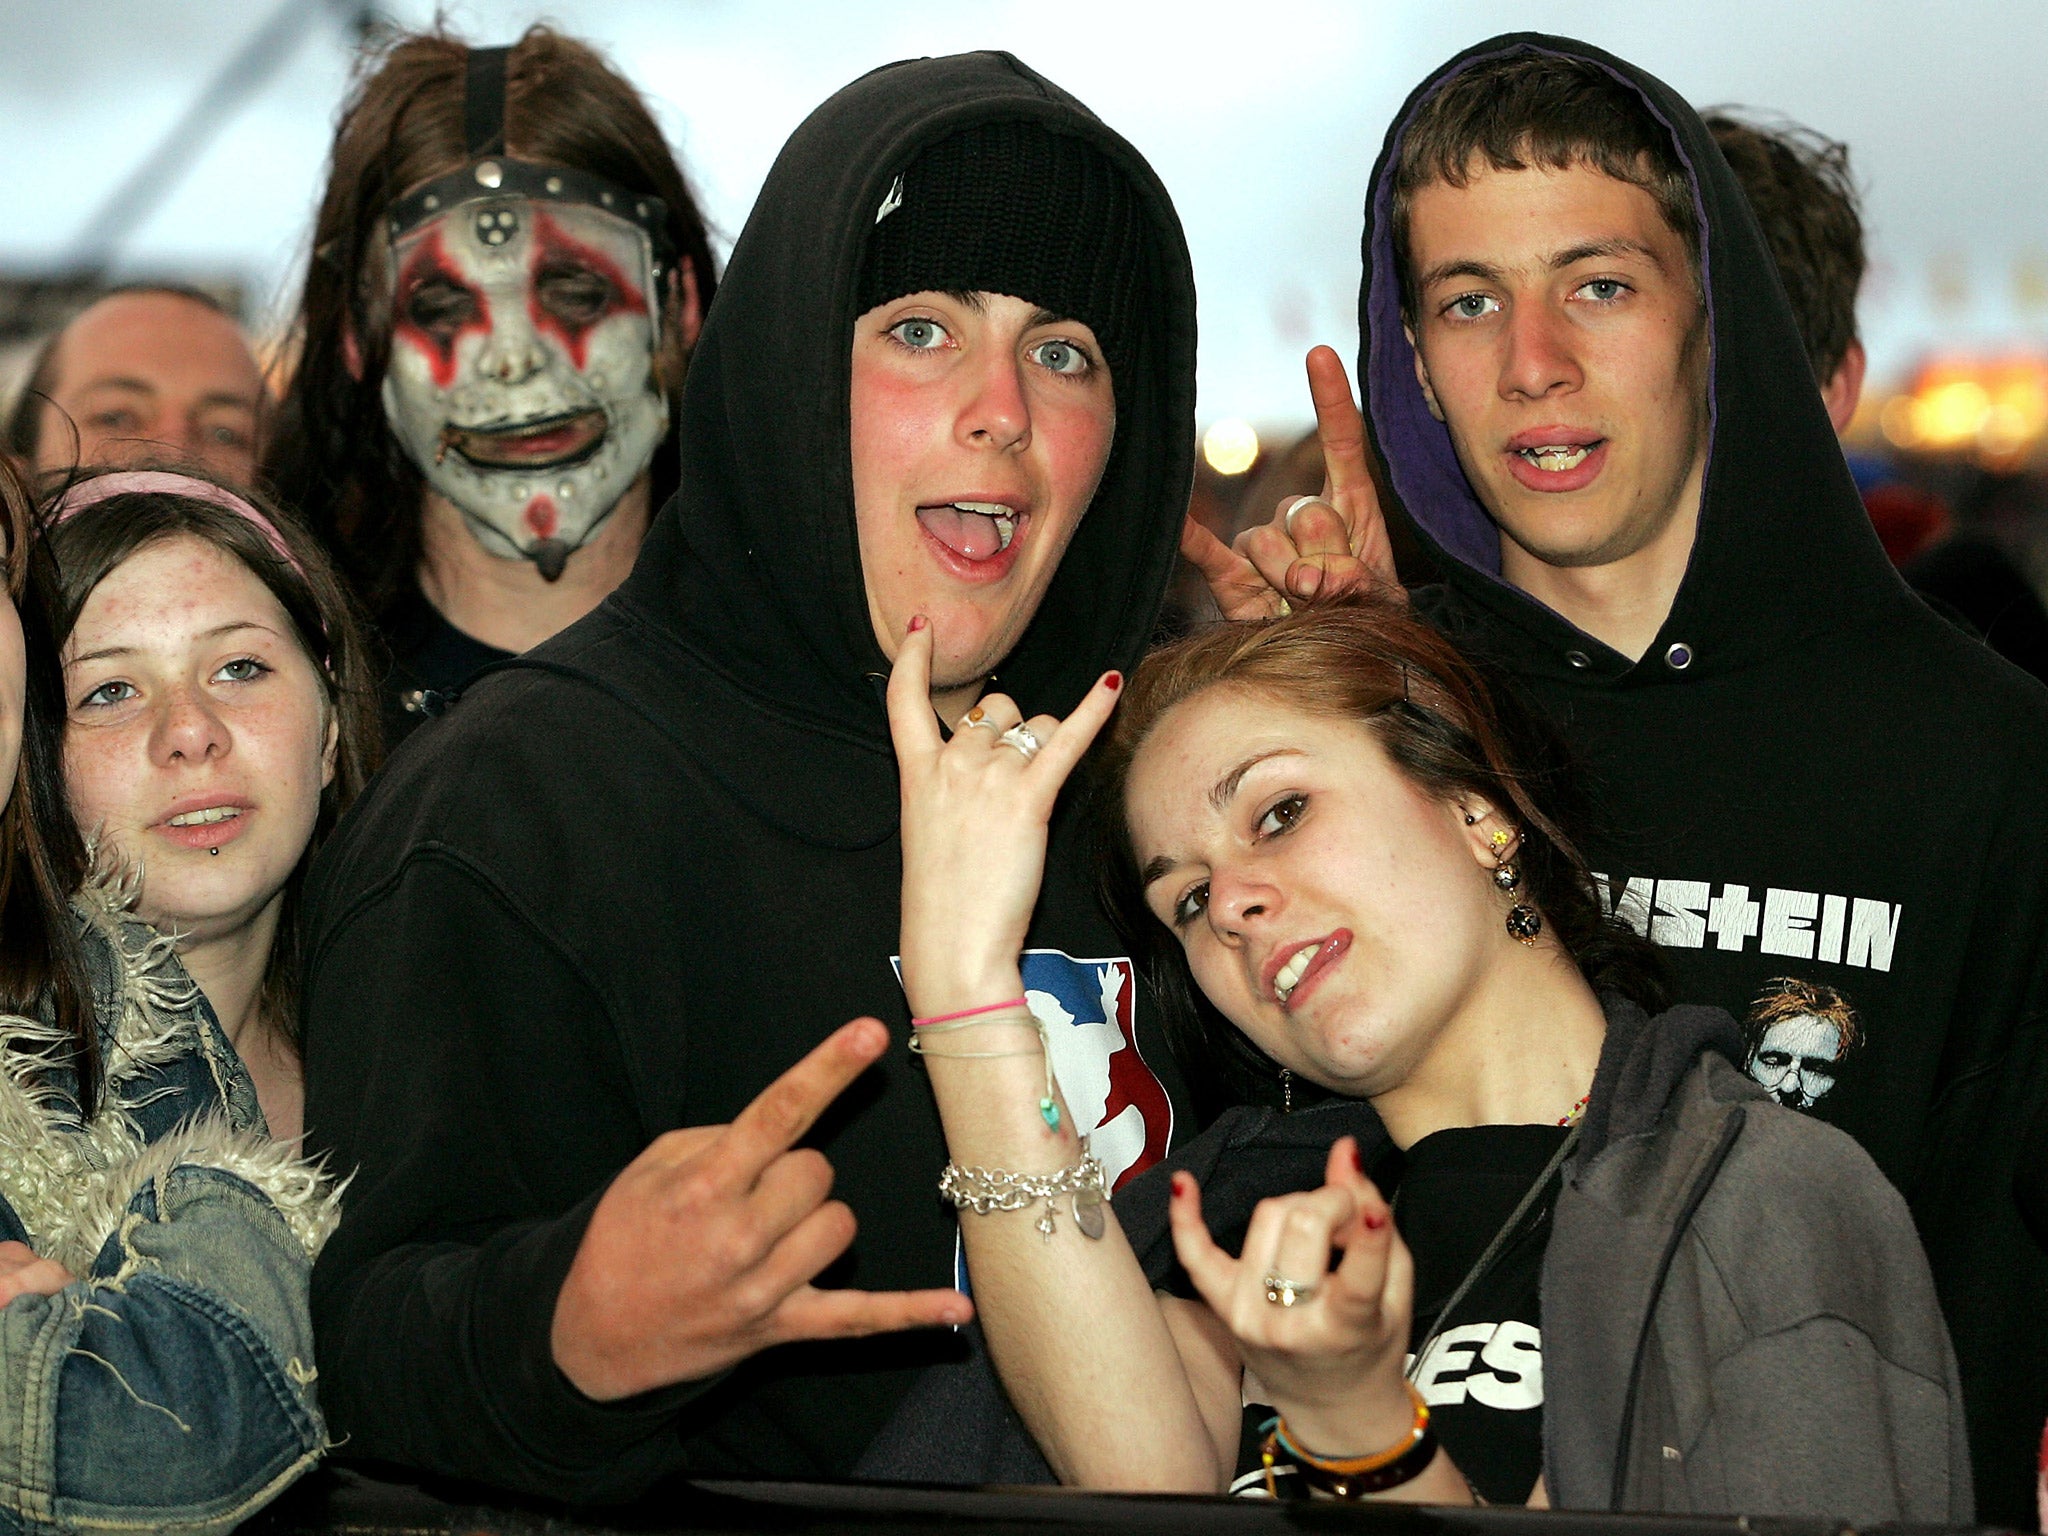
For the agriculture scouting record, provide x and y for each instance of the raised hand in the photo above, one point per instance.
(1316, 549)
(975, 813)
(1332, 1362)
(702, 1251)
(24, 1272)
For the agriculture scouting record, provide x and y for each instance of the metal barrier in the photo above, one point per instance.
(336, 1500)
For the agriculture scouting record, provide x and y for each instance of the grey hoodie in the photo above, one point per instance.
(1737, 1316)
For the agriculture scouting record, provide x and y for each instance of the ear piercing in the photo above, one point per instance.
(1524, 922)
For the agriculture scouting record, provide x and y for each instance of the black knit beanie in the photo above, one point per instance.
(1009, 207)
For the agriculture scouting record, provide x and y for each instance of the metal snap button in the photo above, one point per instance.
(1579, 660)
(1679, 656)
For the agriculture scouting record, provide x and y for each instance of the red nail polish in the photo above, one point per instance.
(1374, 1220)
(1114, 681)
(1181, 1183)
(917, 623)
(1357, 1159)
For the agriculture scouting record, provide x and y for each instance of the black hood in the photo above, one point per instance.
(1778, 508)
(754, 565)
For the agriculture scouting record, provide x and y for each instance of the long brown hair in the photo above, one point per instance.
(42, 857)
(90, 544)
(1441, 726)
(333, 455)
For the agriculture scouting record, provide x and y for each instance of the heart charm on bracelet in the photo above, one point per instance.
(1088, 1211)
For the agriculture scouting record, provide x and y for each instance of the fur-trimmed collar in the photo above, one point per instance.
(69, 1178)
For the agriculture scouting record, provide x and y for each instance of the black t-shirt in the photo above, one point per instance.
(430, 660)
(1483, 1378)
(1483, 1375)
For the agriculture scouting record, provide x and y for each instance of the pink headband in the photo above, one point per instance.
(169, 483)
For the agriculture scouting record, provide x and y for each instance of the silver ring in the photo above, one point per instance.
(970, 723)
(1283, 1292)
(1020, 737)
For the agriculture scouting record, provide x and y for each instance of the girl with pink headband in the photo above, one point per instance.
(220, 715)
(156, 1247)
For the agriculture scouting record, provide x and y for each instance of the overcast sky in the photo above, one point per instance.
(1262, 118)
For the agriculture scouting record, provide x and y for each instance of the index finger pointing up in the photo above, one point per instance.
(912, 725)
(788, 1107)
(1341, 430)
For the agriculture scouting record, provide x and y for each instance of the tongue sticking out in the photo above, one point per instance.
(971, 535)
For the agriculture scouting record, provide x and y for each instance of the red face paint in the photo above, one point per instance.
(542, 518)
(562, 295)
(437, 308)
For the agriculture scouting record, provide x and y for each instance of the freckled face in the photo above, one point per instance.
(195, 722)
(980, 431)
(1330, 910)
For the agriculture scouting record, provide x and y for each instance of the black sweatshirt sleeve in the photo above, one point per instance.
(465, 1070)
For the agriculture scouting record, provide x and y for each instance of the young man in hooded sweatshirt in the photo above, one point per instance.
(1589, 397)
(597, 908)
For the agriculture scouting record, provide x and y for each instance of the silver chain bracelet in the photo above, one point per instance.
(987, 1190)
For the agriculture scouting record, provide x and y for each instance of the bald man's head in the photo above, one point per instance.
(145, 374)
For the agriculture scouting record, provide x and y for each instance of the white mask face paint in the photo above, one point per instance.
(521, 379)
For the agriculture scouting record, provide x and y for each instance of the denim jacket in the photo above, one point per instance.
(170, 1387)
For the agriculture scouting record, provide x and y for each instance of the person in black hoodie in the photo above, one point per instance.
(638, 872)
(1809, 783)
(1805, 776)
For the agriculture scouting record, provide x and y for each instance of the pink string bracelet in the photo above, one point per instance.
(946, 1023)
(968, 1013)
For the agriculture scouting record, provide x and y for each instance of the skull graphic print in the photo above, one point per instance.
(1799, 1035)
(521, 379)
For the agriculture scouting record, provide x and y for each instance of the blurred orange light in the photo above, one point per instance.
(1995, 406)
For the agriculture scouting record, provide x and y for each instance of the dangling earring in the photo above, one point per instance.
(1286, 1092)
(1524, 922)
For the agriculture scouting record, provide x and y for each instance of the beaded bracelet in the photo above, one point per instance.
(1356, 1476)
